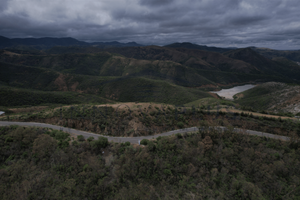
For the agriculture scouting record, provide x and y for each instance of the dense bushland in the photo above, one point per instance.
(121, 121)
(45, 164)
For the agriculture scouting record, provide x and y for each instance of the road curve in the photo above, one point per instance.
(135, 140)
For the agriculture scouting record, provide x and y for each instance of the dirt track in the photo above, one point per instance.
(136, 140)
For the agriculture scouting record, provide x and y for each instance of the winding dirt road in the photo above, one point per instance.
(135, 140)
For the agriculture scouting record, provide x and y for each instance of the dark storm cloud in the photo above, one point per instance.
(155, 2)
(273, 24)
(248, 20)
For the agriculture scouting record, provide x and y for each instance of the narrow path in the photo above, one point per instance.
(135, 140)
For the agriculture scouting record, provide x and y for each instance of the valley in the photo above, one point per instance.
(125, 121)
(172, 76)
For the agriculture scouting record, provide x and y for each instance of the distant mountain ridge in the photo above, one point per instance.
(49, 42)
(189, 45)
(293, 55)
(264, 64)
(194, 58)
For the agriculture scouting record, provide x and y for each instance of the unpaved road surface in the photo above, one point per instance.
(135, 140)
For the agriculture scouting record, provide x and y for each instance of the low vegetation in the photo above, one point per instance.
(210, 101)
(149, 119)
(38, 163)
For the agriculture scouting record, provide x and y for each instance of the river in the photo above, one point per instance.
(229, 93)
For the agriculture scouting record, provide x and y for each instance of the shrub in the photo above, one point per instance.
(85, 167)
(167, 172)
(144, 142)
(63, 144)
(102, 142)
(127, 144)
(180, 124)
(80, 138)
(75, 143)
(159, 138)
(152, 113)
(90, 139)
(59, 135)
(151, 146)
(44, 146)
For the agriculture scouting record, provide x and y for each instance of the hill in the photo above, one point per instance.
(115, 73)
(184, 67)
(243, 61)
(264, 64)
(86, 64)
(293, 55)
(272, 97)
(27, 77)
(189, 57)
(106, 64)
(11, 97)
(129, 89)
(123, 89)
(110, 64)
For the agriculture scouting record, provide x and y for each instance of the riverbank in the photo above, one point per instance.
(229, 93)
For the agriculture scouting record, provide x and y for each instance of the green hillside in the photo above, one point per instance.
(124, 89)
(27, 77)
(193, 58)
(257, 98)
(273, 96)
(87, 64)
(232, 78)
(148, 90)
(106, 64)
(157, 74)
(163, 70)
(265, 65)
(11, 97)
(180, 66)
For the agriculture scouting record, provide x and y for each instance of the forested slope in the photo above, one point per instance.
(41, 164)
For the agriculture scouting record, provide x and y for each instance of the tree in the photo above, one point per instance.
(44, 146)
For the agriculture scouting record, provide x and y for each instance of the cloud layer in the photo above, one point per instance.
(240, 23)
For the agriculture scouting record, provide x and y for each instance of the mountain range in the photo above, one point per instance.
(117, 71)
(48, 42)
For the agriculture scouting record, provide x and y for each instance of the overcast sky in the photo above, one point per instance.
(235, 23)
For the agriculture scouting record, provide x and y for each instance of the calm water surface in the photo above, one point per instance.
(229, 93)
